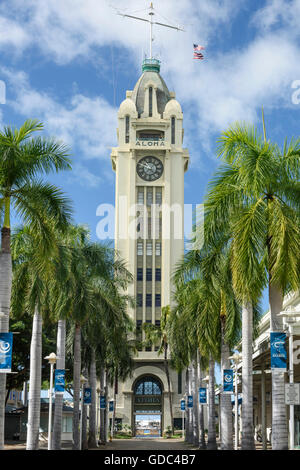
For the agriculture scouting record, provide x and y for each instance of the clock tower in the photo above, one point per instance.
(149, 163)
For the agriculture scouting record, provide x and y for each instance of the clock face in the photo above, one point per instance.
(149, 168)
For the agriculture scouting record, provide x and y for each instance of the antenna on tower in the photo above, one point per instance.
(151, 23)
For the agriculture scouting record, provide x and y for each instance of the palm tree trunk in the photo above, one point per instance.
(202, 443)
(76, 387)
(106, 409)
(93, 406)
(102, 411)
(5, 292)
(115, 404)
(279, 413)
(59, 398)
(225, 399)
(169, 386)
(84, 411)
(195, 403)
(211, 440)
(190, 410)
(34, 402)
(247, 377)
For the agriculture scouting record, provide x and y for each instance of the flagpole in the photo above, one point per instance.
(151, 28)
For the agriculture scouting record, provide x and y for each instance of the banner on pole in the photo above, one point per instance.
(182, 405)
(87, 396)
(278, 350)
(111, 405)
(6, 340)
(59, 381)
(202, 395)
(190, 401)
(228, 381)
(103, 402)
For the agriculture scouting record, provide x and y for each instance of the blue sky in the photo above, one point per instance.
(70, 62)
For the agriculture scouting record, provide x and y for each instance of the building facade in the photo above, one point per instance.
(149, 164)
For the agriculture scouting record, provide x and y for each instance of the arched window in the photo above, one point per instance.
(127, 123)
(150, 100)
(148, 386)
(173, 130)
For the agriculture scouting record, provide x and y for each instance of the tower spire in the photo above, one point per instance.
(151, 23)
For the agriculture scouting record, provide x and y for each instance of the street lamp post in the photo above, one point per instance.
(111, 408)
(52, 360)
(206, 380)
(83, 381)
(236, 358)
(290, 317)
(183, 400)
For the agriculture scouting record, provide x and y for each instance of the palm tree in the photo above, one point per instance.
(157, 334)
(255, 198)
(32, 274)
(22, 159)
(96, 276)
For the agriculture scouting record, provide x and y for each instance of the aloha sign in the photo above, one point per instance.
(150, 143)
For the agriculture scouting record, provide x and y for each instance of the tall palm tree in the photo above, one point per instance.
(32, 273)
(96, 277)
(256, 193)
(22, 159)
(157, 335)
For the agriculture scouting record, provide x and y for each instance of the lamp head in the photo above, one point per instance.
(51, 358)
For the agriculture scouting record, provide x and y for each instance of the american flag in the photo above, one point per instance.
(197, 54)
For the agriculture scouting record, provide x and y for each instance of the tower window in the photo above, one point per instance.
(148, 300)
(140, 248)
(140, 196)
(173, 130)
(149, 274)
(149, 248)
(158, 249)
(139, 300)
(127, 122)
(158, 274)
(158, 196)
(139, 274)
(150, 100)
(157, 300)
(149, 196)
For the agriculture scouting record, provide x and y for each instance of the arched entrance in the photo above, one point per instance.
(147, 407)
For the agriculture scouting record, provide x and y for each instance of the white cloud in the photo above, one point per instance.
(90, 123)
(278, 14)
(86, 124)
(13, 34)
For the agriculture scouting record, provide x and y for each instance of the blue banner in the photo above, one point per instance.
(103, 402)
(202, 395)
(87, 396)
(182, 405)
(59, 381)
(190, 401)
(6, 340)
(278, 350)
(111, 406)
(228, 381)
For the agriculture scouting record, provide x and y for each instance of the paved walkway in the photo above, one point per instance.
(119, 444)
(146, 444)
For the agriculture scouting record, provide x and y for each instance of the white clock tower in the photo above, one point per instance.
(150, 163)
